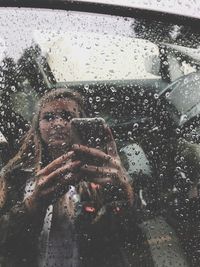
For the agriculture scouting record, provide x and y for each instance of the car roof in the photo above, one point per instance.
(178, 12)
(181, 7)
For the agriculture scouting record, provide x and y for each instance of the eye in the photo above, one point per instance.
(49, 117)
(66, 115)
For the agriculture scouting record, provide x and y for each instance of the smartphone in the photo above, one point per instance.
(90, 132)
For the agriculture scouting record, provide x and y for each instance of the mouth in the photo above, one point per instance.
(59, 136)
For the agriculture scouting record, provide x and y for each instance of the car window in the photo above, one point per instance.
(64, 51)
(141, 75)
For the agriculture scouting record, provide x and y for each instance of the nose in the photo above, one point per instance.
(59, 123)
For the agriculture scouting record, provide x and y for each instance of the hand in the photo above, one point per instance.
(53, 181)
(111, 172)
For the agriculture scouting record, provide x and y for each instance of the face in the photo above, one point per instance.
(55, 122)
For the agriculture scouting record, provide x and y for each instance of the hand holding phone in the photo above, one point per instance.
(101, 163)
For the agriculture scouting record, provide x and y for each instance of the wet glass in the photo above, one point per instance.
(142, 77)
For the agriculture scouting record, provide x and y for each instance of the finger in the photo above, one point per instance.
(68, 167)
(49, 191)
(55, 191)
(103, 181)
(84, 189)
(96, 196)
(111, 144)
(90, 151)
(90, 191)
(56, 163)
(103, 171)
(60, 172)
(64, 182)
(100, 214)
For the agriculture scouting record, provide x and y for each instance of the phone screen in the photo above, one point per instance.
(89, 132)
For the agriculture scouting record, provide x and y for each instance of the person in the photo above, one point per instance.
(57, 210)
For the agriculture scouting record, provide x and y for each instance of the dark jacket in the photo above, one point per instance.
(114, 241)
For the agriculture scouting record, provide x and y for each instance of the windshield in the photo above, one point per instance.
(77, 53)
(99, 139)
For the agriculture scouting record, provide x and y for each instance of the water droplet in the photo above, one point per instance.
(167, 94)
(112, 99)
(13, 89)
(98, 99)
(156, 96)
(86, 87)
(113, 89)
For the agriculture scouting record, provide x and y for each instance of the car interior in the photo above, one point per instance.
(143, 81)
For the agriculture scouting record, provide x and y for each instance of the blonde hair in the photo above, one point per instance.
(30, 152)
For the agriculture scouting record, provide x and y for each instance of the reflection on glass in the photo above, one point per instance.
(142, 77)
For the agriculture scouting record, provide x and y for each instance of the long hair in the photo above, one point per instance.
(30, 153)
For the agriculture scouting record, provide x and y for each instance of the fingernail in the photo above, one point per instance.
(90, 209)
(83, 167)
(95, 186)
(70, 153)
(38, 173)
(108, 157)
